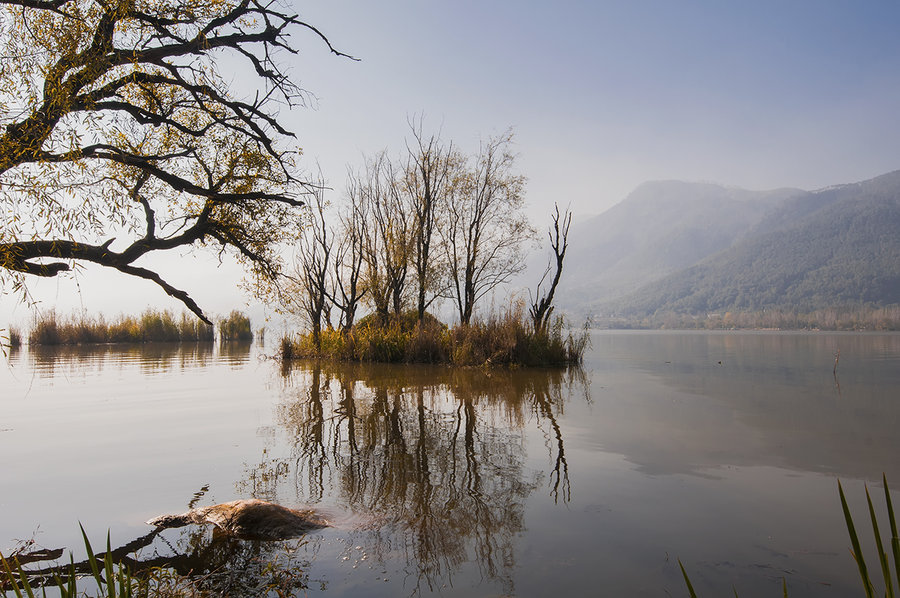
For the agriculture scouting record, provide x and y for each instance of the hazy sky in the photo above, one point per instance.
(602, 96)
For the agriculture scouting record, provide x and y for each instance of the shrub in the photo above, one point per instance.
(286, 348)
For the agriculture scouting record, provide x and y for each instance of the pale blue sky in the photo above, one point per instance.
(602, 95)
(606, 95)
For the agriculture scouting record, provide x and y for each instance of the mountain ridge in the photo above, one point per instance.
(697, 247)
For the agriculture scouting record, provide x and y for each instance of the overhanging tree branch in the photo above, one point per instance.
(121, 98)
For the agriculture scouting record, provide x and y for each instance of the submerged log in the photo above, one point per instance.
(249, 519)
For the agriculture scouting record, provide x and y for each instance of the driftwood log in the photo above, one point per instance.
(251, 519)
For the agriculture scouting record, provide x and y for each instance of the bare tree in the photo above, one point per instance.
(485, 226)
(113, 116)
(348, 289)
(394, 220)
(364, 189)
(430, 171)
(313, 266)
(542, 306)
(387, 238)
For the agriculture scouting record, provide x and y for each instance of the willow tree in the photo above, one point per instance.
(121, 136)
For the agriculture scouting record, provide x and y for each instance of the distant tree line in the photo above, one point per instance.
(844, 253)
(850, 318)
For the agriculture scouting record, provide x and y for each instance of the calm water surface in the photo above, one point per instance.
(721, 449)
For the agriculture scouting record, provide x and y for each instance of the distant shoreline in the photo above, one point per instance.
(844, 319)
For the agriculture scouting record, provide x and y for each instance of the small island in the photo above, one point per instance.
(507, 339)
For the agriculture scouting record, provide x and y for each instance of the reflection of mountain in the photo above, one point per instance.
(435, 457)
(773, 401)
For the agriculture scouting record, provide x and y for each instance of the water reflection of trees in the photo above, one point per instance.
(433, 457)
(153, 358)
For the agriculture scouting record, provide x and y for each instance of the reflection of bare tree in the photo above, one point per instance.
(307, 420)
(435, 457)
(547, 406)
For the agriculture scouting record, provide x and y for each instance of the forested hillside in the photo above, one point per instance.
(660, 228)
(805, 251)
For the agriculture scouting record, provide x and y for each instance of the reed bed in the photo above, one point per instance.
(150, 326)
(236, 327)
(505, 339)
(13, 337)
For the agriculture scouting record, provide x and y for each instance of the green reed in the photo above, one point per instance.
(889, 577)
(113, 580)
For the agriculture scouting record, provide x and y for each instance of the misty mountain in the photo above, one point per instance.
(699, 248)
(659, 229)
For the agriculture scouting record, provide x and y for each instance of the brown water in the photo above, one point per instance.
(720, 449)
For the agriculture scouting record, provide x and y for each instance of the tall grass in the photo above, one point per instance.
(150, 326)
(10, 340)
(236, 327)
(890, 577)
(504, 339)
(113, 580)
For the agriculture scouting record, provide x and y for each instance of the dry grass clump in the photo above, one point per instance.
(14, 337)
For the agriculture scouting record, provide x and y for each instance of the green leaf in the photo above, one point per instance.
(108, 565)
(687, 580)
(882, 557)
(92, 560)
(10, 577)
(67, 589)
(854, 541)
(895, 541)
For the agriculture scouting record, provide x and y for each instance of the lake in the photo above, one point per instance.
(719, 449)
